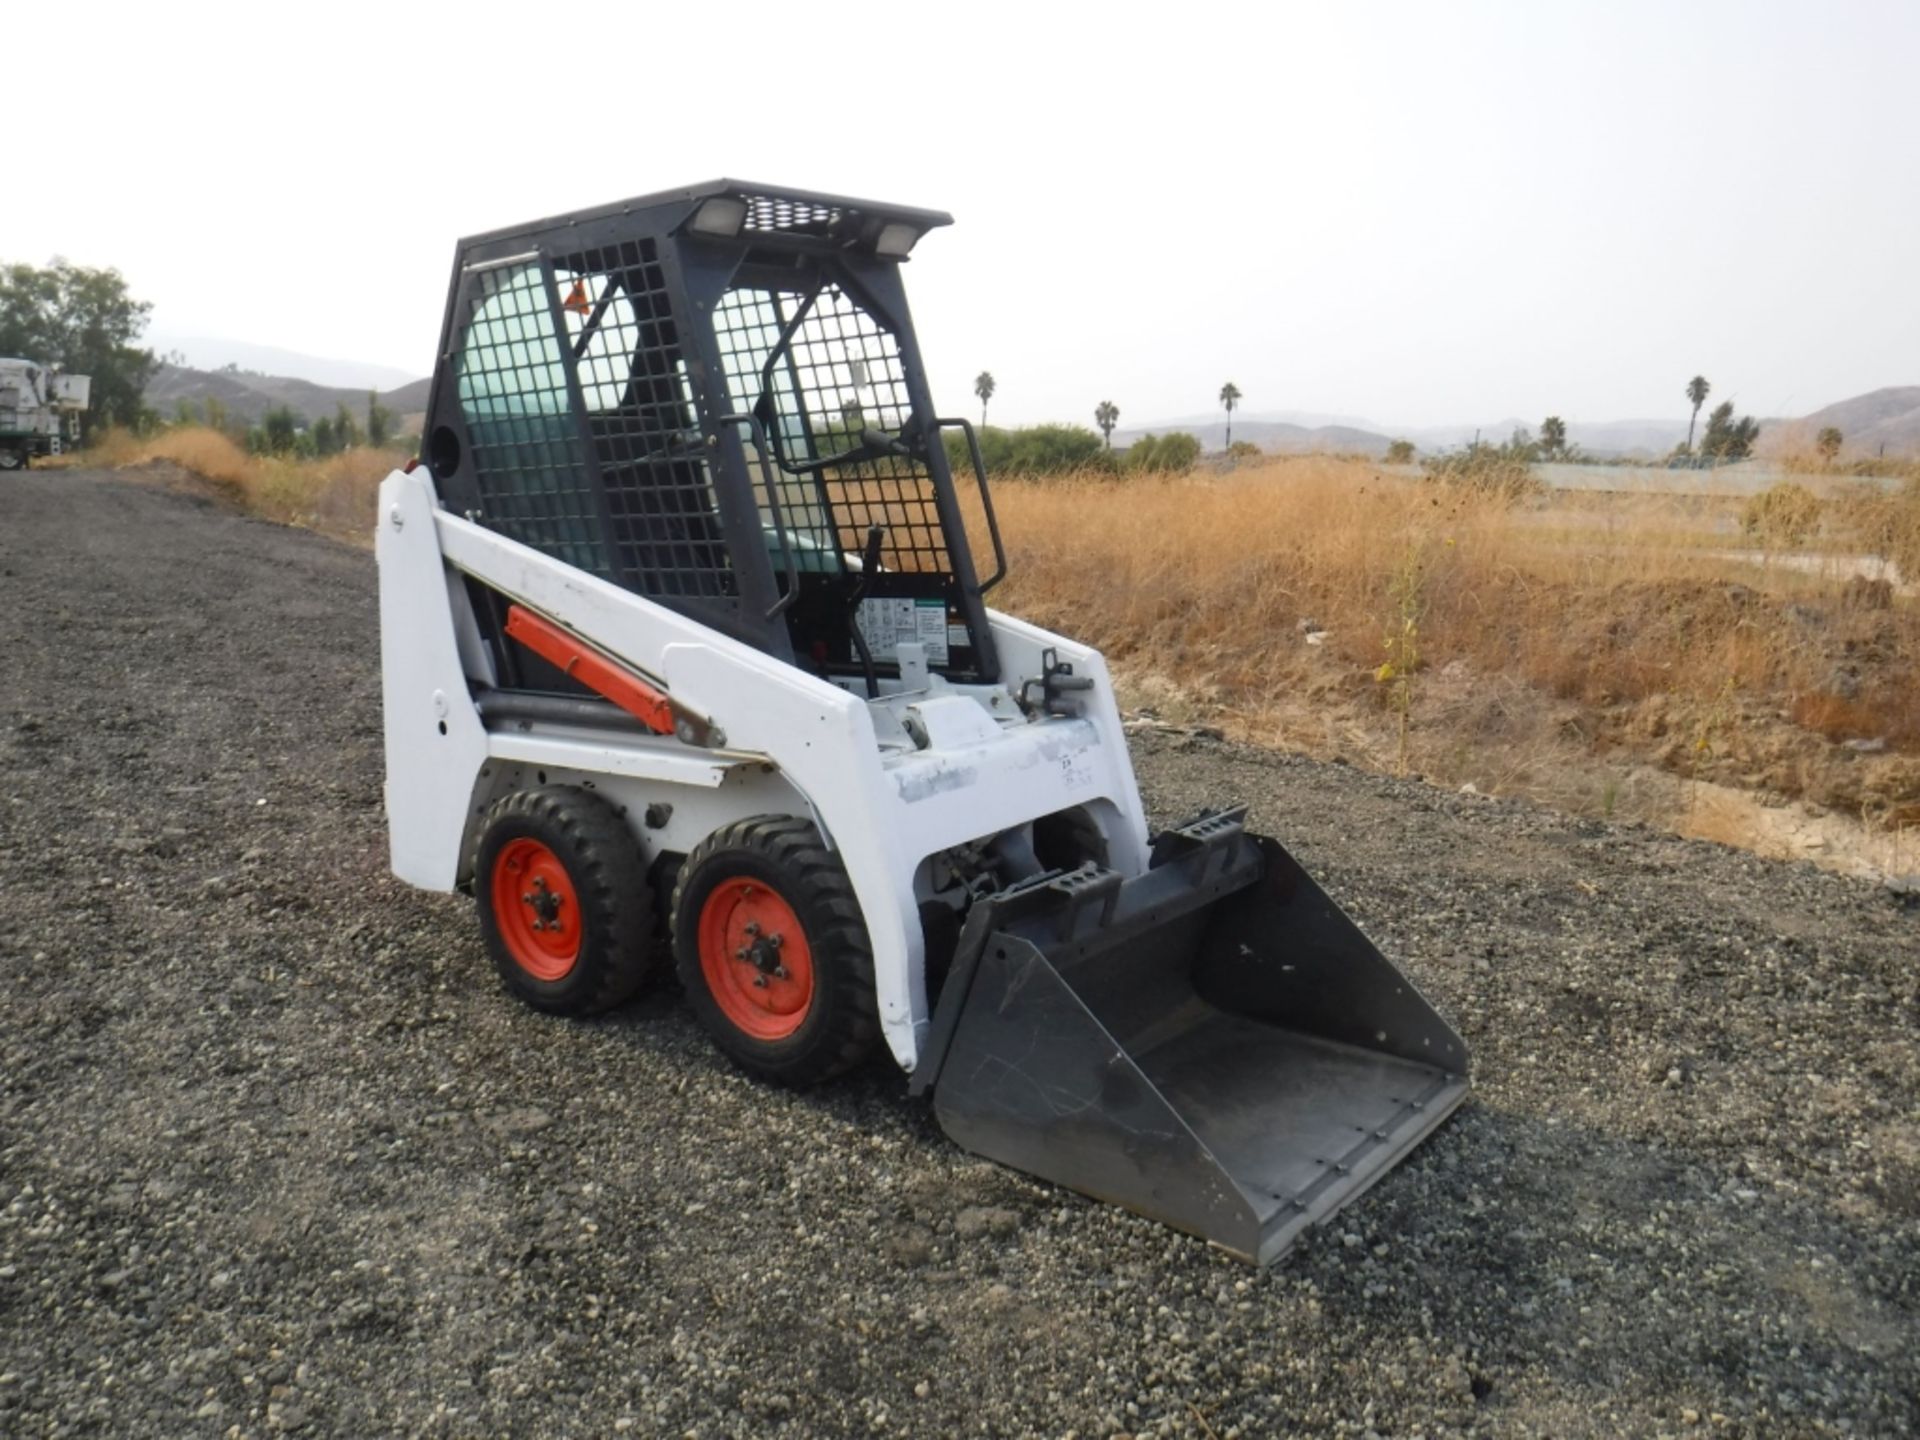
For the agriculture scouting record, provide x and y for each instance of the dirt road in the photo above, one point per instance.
(277, 1156)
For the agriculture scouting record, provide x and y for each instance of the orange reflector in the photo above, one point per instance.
(575, 657)
(577, 300)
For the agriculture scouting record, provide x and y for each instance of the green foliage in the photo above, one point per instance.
(1172, 453)
(983, 387)
(1032, 450)
(1243, 450)
(83, 321)
(381, 422)
(1727, 438)
(216, 413)
(1782, 517)
(276, 432)
(1400, 452)
(186, 412)
(1106, 415)
(1828, 443)
(322, 437)
(1504, 472)
(1553, 438)
(346, 430)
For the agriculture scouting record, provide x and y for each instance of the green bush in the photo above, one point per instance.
(1171, 453)
(1032, 450)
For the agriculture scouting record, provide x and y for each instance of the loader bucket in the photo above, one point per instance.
(1213, 1043)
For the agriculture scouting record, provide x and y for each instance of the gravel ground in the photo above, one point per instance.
(276, 1155)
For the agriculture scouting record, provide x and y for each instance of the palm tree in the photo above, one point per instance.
(1106, 415)
(983, 387)
(1697, 392)
(1229, 397)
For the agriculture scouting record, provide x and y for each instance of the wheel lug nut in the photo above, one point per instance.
(779, 972)
(759, 982)
(741, 953)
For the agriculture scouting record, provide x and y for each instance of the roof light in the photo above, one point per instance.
(895, 239)
(722, 215)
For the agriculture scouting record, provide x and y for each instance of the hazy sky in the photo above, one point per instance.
(1418, 213)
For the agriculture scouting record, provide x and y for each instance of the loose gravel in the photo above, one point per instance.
(277, 1155)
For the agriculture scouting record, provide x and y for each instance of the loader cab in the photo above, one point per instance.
(714, 398)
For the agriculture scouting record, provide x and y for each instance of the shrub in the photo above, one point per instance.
(1032, 450)
(1163, 454)
(1498, 472)
(1782, 517)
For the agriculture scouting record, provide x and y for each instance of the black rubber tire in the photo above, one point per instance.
(787, 855)
(609, 878)
(12, 459)
(1068, 839)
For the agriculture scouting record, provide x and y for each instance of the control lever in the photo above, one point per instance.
(869, 567)
(1055, 682)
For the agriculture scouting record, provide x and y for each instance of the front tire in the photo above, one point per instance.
(12, 459)
(564, 901)
(773, 953)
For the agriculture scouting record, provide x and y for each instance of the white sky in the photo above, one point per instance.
(1417, 213)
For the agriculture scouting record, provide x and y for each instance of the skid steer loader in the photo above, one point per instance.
(685, 649)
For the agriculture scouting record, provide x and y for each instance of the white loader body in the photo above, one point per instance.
(686, 659)
(792, 743)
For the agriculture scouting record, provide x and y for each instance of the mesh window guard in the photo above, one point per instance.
(839, 374)
(647, 442)
(532, 478)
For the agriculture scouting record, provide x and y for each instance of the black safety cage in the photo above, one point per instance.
(714, 398)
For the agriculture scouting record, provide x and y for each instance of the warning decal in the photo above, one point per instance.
(887, 623)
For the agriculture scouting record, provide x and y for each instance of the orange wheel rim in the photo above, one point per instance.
(536, 910)
(755, 958)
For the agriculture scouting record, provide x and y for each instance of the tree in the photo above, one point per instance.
(323, 440)
(1106, 415)
(1697, 392)
(346, 429)
(1553, 438)
(1728, 439)
(277, 430)
(1229, 397)
(83, 321)
(1827, 442)
(380, 421)
(983, 387)
(1400, 452)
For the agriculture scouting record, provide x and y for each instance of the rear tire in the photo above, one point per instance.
(564, 902)
(773, 953)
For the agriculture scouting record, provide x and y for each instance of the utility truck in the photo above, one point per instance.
(689, 662)
(40, 410)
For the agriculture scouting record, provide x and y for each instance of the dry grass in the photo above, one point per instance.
(334, 495)
(1321, 604)
(1555, 647)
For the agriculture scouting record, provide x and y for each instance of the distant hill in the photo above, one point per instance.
(202, 353)
(1281, 437)
(1881, 420)
(248, 396)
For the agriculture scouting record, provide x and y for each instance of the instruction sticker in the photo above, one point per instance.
(887, 623)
